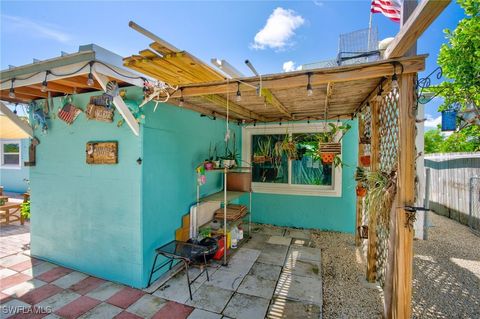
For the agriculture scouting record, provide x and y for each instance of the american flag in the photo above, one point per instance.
(68, 113)
(390, 8)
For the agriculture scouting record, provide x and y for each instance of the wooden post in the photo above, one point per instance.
(374, 161)
(402, 268)
(358, 220)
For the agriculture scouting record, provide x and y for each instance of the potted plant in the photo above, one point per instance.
(216, 158)
(264, 151)
(365, 160)
(329, 146)
(230, 158)
(288, 147)
(208, 163)
(25, 209)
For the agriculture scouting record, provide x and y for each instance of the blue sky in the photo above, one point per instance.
(302, 31)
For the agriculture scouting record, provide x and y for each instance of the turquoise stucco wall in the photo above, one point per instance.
(13, 180)
(175, 141)
(88, 217)
(326, 213)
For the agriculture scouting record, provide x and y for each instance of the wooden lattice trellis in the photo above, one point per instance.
(388, 159)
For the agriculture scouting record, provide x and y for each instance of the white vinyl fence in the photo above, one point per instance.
(450, 191)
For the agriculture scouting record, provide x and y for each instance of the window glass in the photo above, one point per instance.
(268, 164)
(307, 168)
(11, 148)
(11, 159)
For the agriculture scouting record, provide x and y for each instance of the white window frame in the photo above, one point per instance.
(334, 190)
(2, 153)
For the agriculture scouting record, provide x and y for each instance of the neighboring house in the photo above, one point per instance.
(14, 174)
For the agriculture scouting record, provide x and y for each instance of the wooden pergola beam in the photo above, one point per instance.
(36, 93)
(233, 107)
(319, 77)
(271, 99)
(55, 87)
(420, 19)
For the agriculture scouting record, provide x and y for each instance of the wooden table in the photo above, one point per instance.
(8, 212)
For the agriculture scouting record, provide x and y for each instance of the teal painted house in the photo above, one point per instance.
(14, 175)
(107, 219)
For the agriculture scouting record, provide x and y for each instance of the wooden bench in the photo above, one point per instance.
(8, 212)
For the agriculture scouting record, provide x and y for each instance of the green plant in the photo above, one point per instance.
(287, 146)
(264, 147)
(25, 209)
(231, 153)
(329, 136)
(381, 193)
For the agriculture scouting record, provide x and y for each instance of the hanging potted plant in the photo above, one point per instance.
(360, 177)
(287, 146)
(230, 158)
(216, 158)
(365, 160)
(264, 151)
(329, 146)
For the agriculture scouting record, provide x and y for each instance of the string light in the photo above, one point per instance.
(45, 83)
(394, 81)
(309, 86)
(378, 98)
(11, 94)
(90, 81)
(15, 110)
(239, 94)
(255, 123)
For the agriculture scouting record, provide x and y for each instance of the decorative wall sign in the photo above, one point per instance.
(102, 152)
(99, 113)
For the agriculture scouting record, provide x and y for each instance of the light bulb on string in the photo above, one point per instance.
(90, 81)
(394, 81)
(239, 94)
(45, 83)
(11, 93)
(309, 86)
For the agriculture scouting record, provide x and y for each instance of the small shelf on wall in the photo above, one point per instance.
(219, 196)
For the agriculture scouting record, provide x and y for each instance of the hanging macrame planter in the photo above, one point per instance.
(328, 151)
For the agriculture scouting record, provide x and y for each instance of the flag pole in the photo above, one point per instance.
(369, 29)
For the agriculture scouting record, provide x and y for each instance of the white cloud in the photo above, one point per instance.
(289, 66)
(318, 3)
(278, 30)
(35, 29)
(432, 122)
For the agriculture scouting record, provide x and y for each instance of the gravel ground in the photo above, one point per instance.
(346, 293)
(446, 270)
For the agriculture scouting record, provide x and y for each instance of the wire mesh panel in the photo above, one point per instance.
(474, 214)
(358, 46)
(367, 128)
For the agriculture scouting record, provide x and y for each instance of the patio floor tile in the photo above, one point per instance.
(299, 288)
(304, 253)
(282, 308)
(39, 269)
(23, 288)
(86, 285)
(13, 280)
(273, 254)
(246, 253)
(13, 260)
(5, 272)
(4, 298)
(224, 279)
(259, 287)
(147, 306)
(306, 268)
(239, 266)
(125, 297)
(27, 264)
(265, 271)
(39, 294)
(126, 315)
(173, 310)
(54, 274)
(102, 311)
(7, 309)
(59, 300)
(210, 299)
(279, 240)
(105, 291)
(246, 307)
(176, 289)
(69, 280)
(77, 307)
(298, 233)
(203, 314)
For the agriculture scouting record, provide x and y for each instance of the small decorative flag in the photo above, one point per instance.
(68, 113)
(392, 9)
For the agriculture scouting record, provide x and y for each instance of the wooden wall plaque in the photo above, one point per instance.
(99, 113)
(102, 152)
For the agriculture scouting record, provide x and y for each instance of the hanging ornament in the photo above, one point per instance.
(201, 178)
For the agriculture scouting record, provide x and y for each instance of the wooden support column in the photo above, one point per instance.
(358, 220)
(374, 161)
(402, 269)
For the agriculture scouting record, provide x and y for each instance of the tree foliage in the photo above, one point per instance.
(460, 60)
(466, 140)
